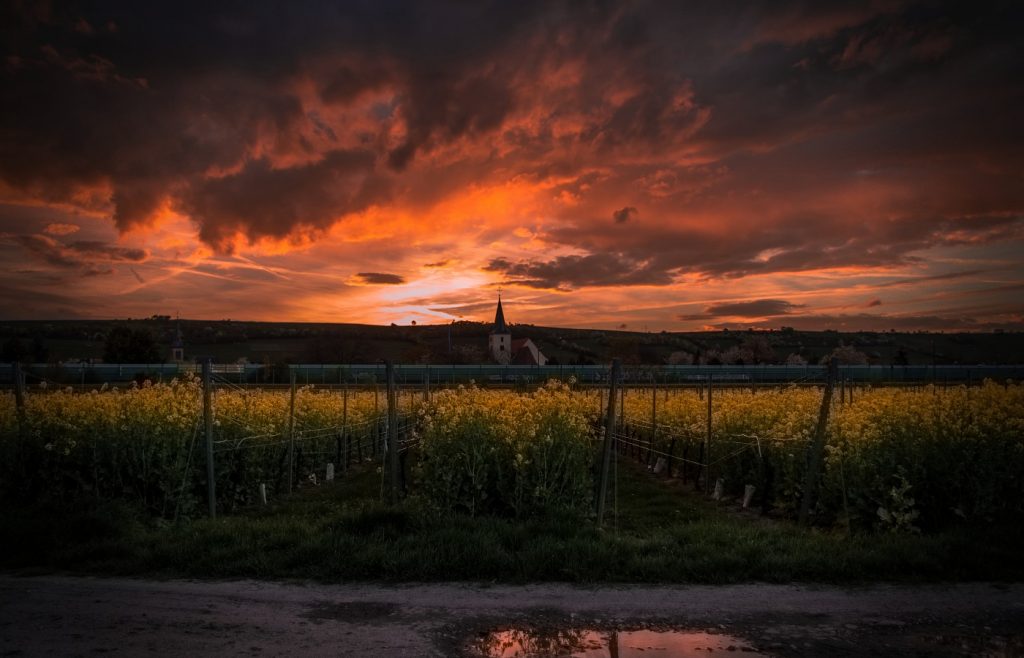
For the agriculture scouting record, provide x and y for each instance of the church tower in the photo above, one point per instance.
(500, 339)
(178, 345)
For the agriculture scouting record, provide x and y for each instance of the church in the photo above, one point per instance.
(504, 350)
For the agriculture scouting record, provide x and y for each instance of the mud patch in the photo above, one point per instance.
(350, 611)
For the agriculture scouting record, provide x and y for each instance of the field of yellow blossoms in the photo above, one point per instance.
(900, 459)
(895, 459)
(487, 451)
(146, 444)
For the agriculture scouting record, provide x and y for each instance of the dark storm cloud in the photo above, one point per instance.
(790, 244)
(567, 272)
(757, 308)
(104, 251)
(128, 107)
(151, 110)
(89, 256)
(889, 68)
(380, 278)
(623, 215)
(261, 200)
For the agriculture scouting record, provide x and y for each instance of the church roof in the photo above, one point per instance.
(499, 320)
(524, 352)
(523, 356)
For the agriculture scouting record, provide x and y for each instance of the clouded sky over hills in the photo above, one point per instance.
(659, 165)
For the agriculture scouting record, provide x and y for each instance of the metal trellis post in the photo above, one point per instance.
(609, 429)
(291, 433)
(211, 482)
(394, 473)
(818, 446)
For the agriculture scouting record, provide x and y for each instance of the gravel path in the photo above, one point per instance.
(61, 615)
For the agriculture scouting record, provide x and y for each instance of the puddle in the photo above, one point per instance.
(585, 643)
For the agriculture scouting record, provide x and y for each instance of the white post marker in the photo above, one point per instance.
(719, 489)
(329, 475)
(263, 493)
(748, 494)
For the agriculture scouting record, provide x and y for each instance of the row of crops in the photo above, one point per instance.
(894, 458)
(902, 459)
(147, 444)
(489, 451)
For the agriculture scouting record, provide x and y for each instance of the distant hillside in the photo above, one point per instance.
(466, 342)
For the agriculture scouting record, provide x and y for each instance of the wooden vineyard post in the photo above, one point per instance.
(376, 415)
(654, 419)
(211, 482)
(622, 407)
(344, 425)
(394, 474)
(19, 395)
(339, 438)
(606, 450)
(707, 451)
(818, 446)
(291, 433)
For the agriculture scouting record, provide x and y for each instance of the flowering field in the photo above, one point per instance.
(895, 458)
(500, 452)
(146, 443)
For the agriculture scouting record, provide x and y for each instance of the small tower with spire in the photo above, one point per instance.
(178, 344)
(500, 338)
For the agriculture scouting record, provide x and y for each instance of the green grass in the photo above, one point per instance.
(661, 533)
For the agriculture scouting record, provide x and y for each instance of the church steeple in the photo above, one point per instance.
(500, 340)
(178, 345)
(499, 319)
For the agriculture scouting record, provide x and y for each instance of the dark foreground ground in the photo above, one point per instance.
(68, 616)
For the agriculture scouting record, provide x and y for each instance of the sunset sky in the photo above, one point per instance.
(646, 165)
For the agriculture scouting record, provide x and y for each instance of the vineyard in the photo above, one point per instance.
(906, 460)
(894, 459)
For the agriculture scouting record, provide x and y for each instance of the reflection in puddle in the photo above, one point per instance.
(612, 644)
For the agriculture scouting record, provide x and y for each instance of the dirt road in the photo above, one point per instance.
(58, 615)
